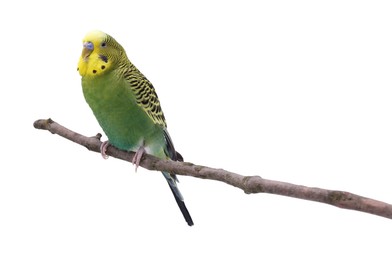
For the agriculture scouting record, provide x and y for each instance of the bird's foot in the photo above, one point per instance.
(138, 156)
(103, 148)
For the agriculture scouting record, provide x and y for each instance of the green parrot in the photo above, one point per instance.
(126, 105)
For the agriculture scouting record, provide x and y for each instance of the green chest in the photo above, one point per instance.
(114, 105)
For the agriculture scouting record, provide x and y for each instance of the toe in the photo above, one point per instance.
(103, 149)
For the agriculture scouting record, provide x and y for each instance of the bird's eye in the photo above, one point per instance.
(103, 44)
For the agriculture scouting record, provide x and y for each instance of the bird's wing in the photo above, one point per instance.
(169, 149)
(146, 97)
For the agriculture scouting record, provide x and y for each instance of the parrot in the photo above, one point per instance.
(126, 105)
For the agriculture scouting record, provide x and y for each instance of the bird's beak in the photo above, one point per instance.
(88, 48)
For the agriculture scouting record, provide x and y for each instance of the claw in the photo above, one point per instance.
(138, 156)
(103, 148)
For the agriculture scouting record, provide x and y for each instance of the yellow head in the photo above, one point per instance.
(100, 54)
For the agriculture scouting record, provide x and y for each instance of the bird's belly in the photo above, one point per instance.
(127, 130)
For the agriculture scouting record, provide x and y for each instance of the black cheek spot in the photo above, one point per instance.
(77, 69)
(94, 71)
(103, 67)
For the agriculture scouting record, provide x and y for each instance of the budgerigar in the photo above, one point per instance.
(126, 105)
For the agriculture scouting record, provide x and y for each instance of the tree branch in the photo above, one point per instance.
(249, 184)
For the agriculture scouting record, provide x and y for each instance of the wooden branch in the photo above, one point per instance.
(249, 184)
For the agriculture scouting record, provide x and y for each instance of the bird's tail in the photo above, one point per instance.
(171, 180)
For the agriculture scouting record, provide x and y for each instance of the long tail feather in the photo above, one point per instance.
(182, 206)
(171, 180)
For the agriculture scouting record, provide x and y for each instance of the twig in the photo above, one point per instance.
(249, 184)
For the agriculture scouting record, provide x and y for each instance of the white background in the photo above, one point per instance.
(296, 91)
